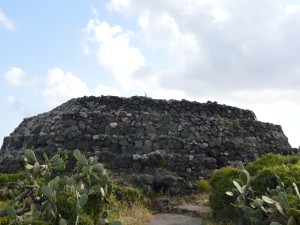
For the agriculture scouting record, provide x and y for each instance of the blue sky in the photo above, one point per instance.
(241, 53)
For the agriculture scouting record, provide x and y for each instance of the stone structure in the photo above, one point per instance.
(139, 134)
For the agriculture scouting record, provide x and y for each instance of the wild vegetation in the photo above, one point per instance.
(262, 193)
(49, 197)
(265, 192)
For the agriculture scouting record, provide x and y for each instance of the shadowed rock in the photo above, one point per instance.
(144, 135)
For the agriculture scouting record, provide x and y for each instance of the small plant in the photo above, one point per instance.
(237, 124)
(267, 160)
(204, 185)
(33, 203)
(7, 178)
(163, 163)
(220, 182)
(245, 197)
(272, 208)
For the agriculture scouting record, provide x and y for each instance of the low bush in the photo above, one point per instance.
(263, 174)
(279, 205)
(5, 220)
(270, 160)
(203, 185)
(6, 178)
(128, 194)
(65, 206)
(85, 219)
(220, 182)
(267, 160)
(263, 179)
(266, 177)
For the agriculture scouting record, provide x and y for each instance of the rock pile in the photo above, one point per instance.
(190, 139)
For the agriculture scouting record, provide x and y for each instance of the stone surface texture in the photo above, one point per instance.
(140, 134)
(174, 219)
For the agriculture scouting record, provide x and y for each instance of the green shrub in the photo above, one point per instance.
(85, 219)
(278, 205)
(5, 220)
(292, 175)
(204, 185)
(265, 177)
(66, 206)
(294, 201)
(128, 194)
(40, 222)
(93, 207)
(267, 160)
(292, 159)
(6, 178)
(59, 199)
(220, 182)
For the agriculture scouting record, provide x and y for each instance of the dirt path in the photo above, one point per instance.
(188, 214)
(174, 219)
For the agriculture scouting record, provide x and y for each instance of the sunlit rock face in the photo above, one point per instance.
(138, 134)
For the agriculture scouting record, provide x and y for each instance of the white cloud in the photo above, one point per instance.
(118, 5)
(6, 22)
(114, 50)
(290, 9)
(165, 33)
(16, 103)
(17, 77)
(61, 86)
(243, 53)
(220, 44)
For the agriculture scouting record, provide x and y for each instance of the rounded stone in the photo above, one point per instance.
(113, 125)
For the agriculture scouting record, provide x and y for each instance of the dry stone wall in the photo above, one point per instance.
(139, 134)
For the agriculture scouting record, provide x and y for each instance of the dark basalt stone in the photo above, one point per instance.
(189, 139)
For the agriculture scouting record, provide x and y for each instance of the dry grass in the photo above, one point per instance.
(194, 199)
(137, 214)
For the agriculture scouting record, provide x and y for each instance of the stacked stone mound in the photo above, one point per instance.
(190, 139)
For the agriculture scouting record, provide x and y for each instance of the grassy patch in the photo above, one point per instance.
(135, 214)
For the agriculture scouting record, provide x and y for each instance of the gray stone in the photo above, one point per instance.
(91, 130)
(147, 179)
(69, 123)
(193, 138)
(138, 144)
(164, 181)
(140, 132)
(123, 142)
(193, 210)
(174, 219)
(113, 125)
(95, 137)
(83, 146)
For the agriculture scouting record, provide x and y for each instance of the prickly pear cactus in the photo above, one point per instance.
(32, 202)
(270, 207)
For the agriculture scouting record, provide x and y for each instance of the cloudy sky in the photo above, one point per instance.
(241, 53)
